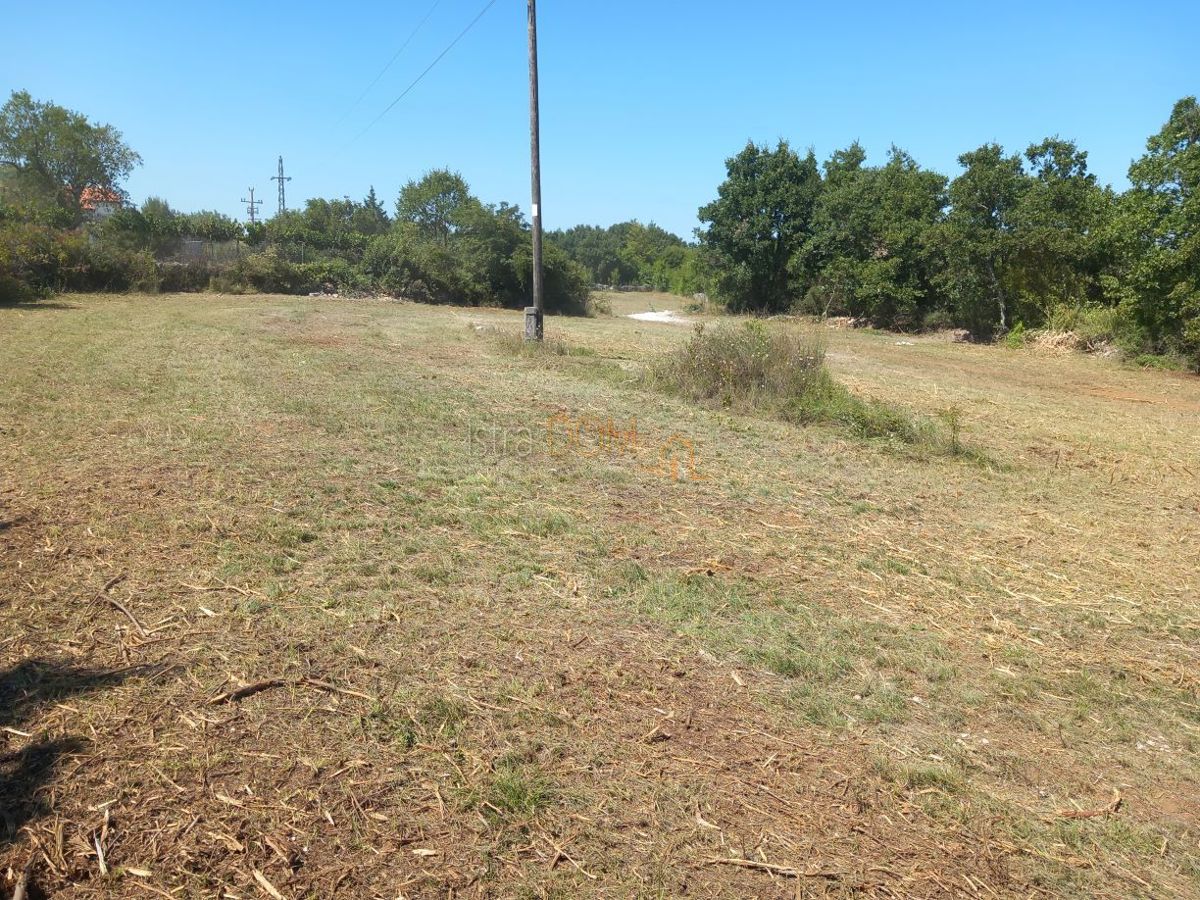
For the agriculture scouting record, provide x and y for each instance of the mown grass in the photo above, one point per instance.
(841, 671)
(867, 599)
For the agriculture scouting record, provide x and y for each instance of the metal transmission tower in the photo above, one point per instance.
(282, 195)
(252, 206)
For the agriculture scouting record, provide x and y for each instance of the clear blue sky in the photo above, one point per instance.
(641, 101)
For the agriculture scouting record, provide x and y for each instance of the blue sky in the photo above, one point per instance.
(641, 101)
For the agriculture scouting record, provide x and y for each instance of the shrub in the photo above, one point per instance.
(14, 290)
(780, 371)
(188, 277)
(731, 363)
(265, 272)
(335, 273)
(937, 320)
(1097, 327)
(34, 259)
(1092, 325)
(1015, 339)
(491, 266)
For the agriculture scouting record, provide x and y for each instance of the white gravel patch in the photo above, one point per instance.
(666, 317)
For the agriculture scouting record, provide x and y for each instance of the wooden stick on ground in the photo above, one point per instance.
(130, 616)
(785, 871)
(269, 683)
(333, 688)
(247, 691)
(1112, 807)
(22, 888)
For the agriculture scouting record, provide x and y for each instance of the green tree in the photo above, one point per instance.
(760, 220)
(978, 238)
(370, 218)
(1160, 223)
(653, 253)
(436, 204)
(448, 247)
(59, 154)
(210, 226)
(1060, 231)
(599, 251)
(872, 242)
(162, 226)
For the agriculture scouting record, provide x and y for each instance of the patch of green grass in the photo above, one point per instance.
(518, 791)
(1163, 362)
(921, 775)
(569, 358)
(544, 523)
(442, 716)
(844, 669)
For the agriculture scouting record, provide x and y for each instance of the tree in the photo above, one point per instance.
(1059, 226)
(436, 204)
(1160, 221)
(762, 216)
(652, 253)
(210, 226)
(60, 153)
(162, 224)
(599, 251)
(978, 238)
(371, 218)
(871, 245)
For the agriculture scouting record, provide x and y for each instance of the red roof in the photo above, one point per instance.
(92, 195)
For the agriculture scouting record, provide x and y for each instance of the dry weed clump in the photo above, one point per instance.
(780, 371)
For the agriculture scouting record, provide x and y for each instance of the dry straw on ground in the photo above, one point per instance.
(275, 628)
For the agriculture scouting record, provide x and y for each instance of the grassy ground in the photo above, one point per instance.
(312, 598)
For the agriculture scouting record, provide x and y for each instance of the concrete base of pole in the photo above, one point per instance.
(533, 324)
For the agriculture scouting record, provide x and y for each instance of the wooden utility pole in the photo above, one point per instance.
(535, 315)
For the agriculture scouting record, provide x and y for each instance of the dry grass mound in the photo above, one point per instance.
(781, 371)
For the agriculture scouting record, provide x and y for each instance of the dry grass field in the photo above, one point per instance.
(311, 598)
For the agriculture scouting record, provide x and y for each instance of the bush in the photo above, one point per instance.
(778, 371)
(34, 258)
(189, 277)
(266, 272)
(1093, 326)
(13, 290)
(482, 268)
(332, 273)
(742, 364)
(1015, 339)
(1100, 327)
(937, 320)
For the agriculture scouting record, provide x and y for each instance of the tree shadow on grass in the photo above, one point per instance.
(23, 774)
(38, 306)
(25, 688)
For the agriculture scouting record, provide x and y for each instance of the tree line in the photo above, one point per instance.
(441, 243)
(1016, 240)
(630, 253)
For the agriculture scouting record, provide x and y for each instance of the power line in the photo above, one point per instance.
(390, 63)
(428, 69)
